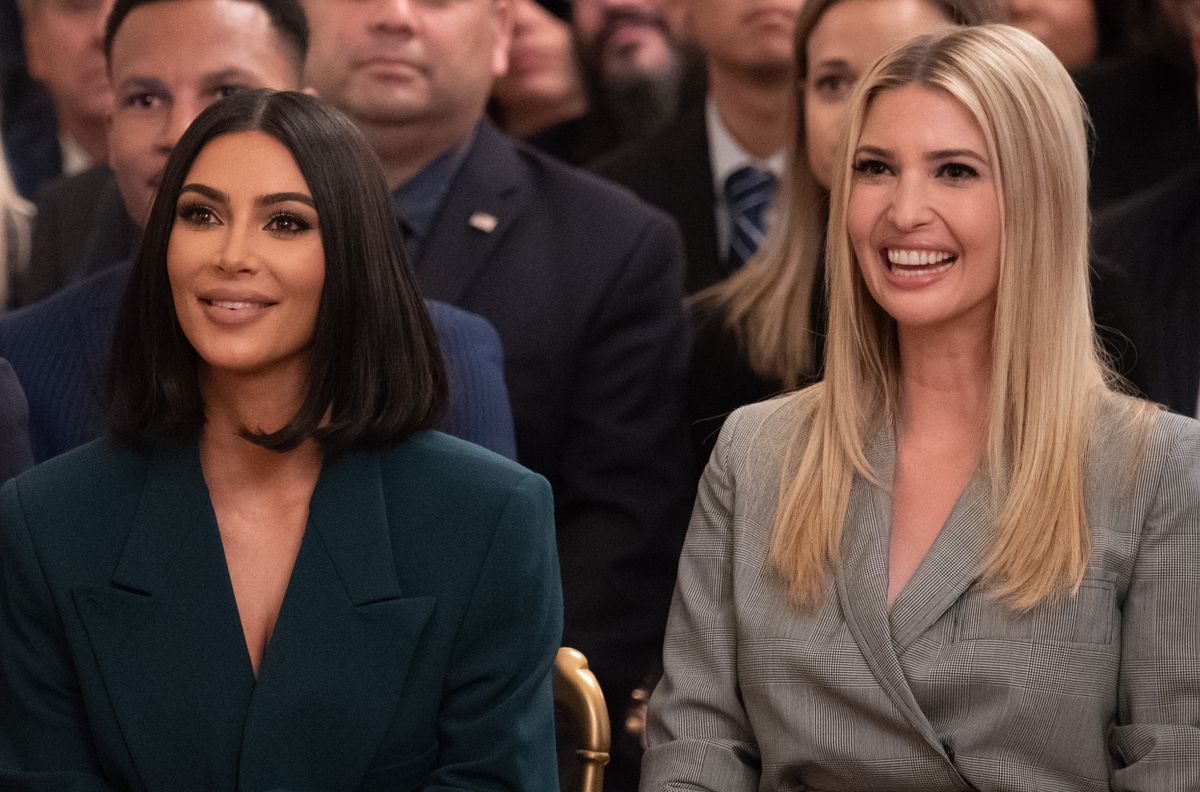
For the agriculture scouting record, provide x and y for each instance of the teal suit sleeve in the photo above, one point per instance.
(497, 723)
(43, 729)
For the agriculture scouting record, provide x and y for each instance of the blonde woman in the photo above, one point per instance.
(961, 561)
(762, 330)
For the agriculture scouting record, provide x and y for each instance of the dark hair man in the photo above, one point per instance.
(582, 281)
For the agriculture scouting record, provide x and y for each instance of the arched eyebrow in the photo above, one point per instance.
(214, 194)
(932, 156)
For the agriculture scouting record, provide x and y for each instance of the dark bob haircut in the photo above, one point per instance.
(375, 371)
(287, 19)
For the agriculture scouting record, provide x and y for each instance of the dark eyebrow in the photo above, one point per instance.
(208, 192)
(224, 76)
(263, 200)
(274, 198)
(142, 83)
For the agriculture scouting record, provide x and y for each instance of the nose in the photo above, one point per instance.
(179, 115)
(236, 254)
(909, 207)
(393, 16)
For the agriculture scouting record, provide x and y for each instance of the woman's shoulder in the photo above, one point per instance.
(434, 465)
(1143, 451)
(78, 479)
(770, 426)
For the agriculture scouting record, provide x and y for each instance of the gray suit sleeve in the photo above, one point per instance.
(1157, 739)
(700, 737)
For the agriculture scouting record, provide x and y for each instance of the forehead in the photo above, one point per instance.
(859, 31)
(250, 163)
(182, 39)
(916, 119)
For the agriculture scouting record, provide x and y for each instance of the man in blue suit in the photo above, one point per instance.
(15, 454)
(170, 60)
(583, 281)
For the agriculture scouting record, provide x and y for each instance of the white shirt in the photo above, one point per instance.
(725, 155)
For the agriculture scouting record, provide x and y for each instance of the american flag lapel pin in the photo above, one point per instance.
(482, 221)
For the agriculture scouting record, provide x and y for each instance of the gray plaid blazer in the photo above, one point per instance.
(950, 690)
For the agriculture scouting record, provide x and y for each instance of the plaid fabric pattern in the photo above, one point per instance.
(950, 690)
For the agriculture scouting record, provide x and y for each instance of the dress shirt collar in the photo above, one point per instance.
(726, 155)
(417, 201)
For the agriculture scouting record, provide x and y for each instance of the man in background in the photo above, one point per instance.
(727, 152)
(582, 281)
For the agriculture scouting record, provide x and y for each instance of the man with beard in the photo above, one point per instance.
(637, 74)
(714, 168)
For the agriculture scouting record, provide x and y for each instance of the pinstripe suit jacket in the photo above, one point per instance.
(950, 690)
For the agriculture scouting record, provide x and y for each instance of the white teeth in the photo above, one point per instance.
(235, 306)
(917, 258)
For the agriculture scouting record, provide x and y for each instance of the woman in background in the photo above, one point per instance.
(273, 577)
(961, 561)
(762, 330)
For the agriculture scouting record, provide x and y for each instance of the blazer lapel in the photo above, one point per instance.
(862, 583)
(166, 636)
(484, 198)
(949, 568)
(332, 675)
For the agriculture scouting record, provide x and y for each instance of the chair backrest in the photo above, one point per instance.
(581, 721)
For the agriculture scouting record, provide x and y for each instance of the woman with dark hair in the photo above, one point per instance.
(273, 576)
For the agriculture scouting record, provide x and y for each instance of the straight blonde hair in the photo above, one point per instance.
(768, 303)
(1047, 373)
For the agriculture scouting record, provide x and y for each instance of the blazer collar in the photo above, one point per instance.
(486, 196)
(947, 570)
(170, 650)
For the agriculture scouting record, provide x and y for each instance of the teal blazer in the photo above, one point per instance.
(413, 648)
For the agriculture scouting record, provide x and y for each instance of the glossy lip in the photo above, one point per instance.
(911, 282)
(259, 306)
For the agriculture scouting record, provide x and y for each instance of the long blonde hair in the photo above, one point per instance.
(1047, 375)
(768, 302)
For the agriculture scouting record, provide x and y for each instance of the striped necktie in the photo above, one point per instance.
(748, 193)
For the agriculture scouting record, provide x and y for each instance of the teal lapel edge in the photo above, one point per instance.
(334, 671)
(165, 633)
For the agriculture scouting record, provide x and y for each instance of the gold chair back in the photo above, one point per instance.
(584, 733)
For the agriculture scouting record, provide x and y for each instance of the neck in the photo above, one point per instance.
(752, 110)
(945, 383)
(90, 133)
(404, 150)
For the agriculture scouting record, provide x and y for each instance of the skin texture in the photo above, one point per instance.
(543, 84)
(1067, 27)
(230, 244)
(64, 46)
(170, 61)
(907, 193)
(749, 38)
(246, 233)
(625, 37)
(849, 37)
(424, 67)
